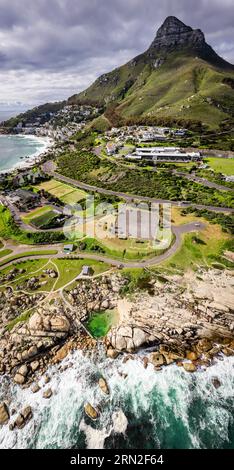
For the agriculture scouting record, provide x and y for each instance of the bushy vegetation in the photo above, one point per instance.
(137, 279)
(226, 221)
(88, 168)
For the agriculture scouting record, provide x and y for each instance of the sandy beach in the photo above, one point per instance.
(30, 160)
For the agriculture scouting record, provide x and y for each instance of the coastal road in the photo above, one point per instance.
(48, 167)
(203, 181)
(178, 232)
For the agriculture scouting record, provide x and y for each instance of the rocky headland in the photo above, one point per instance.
(183, 319)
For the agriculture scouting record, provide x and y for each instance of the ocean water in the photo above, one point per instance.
(145, 409)
(7, 114)
(13, 148)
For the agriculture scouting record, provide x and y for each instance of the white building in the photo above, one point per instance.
(163, 154)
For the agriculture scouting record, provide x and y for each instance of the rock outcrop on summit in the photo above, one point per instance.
(174, 35)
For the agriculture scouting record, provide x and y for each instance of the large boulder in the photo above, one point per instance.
(90, 411)
(103, 386)
(24, 416)
(112, 353)
(19, 379)
(156, 359)
(35, 322)
(34, 365)
(56, 323)
(4, 413)
(120, 342)
(127, 338)
(189, 367)
(139, 337)
(59, 323)
(47, 393)
(192, 356)
(23, 370)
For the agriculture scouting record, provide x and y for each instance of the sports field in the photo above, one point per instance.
(62, 191)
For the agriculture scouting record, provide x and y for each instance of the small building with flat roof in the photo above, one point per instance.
(68, 248)
(86, 271)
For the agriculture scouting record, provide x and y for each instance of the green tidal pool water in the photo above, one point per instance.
(100, 322)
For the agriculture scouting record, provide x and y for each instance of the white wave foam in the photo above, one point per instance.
(160, 399)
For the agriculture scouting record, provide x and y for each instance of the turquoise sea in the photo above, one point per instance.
(167, 409)
(14, 148)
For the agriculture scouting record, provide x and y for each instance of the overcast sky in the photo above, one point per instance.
(51, 49)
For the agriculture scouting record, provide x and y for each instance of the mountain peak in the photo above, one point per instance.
(174, 34)
(172, 23)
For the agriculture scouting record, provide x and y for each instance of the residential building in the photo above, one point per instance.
(23, 199)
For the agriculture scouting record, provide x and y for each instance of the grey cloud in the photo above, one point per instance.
(83, 38)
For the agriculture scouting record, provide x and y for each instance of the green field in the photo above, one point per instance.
(30, 266)
(5, 253)
(69, 269)
(66, 193)
(222, 165)
(49, 282)
(27, 254)
(201, 249)
(44, 219)
(41, 216)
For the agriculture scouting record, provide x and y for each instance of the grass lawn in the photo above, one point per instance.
(30, 266)
(49, 282)
(200, 249)
(179, 219)
(222, 165)
(69, 269)
(27, 254)
(65, 192)
(5, 253)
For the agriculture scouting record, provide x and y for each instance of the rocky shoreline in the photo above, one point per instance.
(187, 320)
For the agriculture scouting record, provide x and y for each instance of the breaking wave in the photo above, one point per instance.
(145, 409)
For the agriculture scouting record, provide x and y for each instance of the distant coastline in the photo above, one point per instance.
(10, 113)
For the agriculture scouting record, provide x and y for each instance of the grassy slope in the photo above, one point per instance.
(69, 269)
(142, 90)
(171, 86)
(27, 254)
(222, 165)
(194, 254)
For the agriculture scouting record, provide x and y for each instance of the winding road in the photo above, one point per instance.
(178, 232)
(48, 167)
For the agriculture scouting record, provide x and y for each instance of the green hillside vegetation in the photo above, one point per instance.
(41, 112)
(184, 87)
(87, 167)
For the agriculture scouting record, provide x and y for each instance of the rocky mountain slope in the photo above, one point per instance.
(179, 76)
